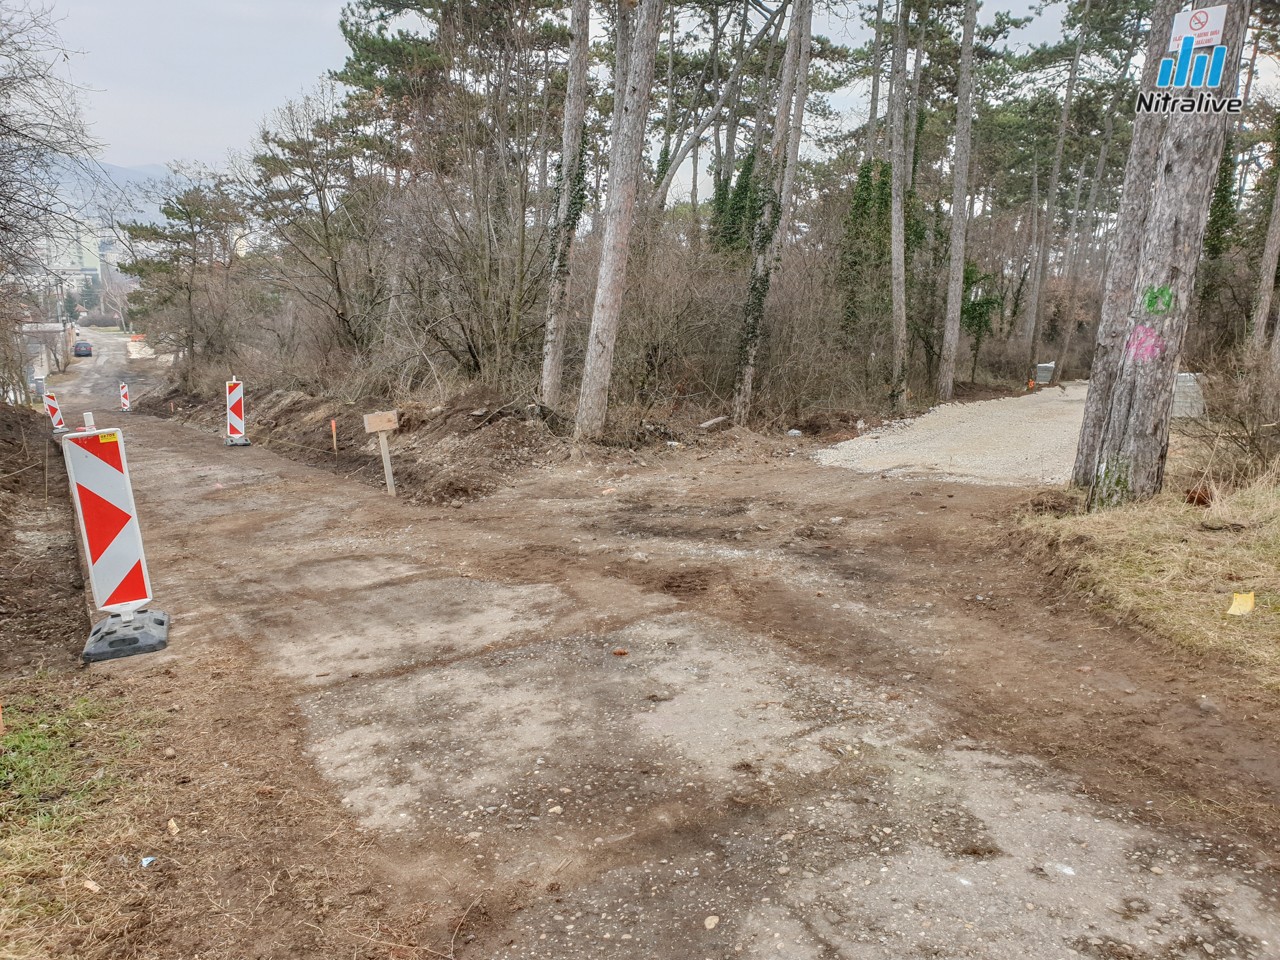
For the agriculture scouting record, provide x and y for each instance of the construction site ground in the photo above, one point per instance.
(702, 700)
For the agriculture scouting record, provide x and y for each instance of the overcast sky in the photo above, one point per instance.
(192, 79)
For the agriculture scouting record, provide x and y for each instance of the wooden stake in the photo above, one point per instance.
(333, 429)
(383, 423)
(386, 462)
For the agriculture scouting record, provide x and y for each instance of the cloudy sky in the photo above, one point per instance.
(193, 79)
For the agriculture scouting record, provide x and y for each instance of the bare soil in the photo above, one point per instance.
(41, 589)
(709, 700)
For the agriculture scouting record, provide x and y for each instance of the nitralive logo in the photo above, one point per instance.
(1193, 71)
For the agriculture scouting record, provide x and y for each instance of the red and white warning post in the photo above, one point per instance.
(54, 410)
(112, 542)
(235, 414)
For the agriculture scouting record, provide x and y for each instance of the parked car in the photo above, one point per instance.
(83, 348)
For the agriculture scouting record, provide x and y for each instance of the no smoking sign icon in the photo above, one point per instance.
(1199, 20)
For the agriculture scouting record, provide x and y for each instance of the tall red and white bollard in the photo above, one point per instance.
(124, 398)
(235, 414)
(54, 410)
(112, 542)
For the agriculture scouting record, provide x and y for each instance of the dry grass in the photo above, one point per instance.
(63, 761)
(1173, 567)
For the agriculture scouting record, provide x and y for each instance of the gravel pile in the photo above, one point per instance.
(1014, 441)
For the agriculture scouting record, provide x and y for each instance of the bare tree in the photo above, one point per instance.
(1045, 241)
(898, 229)
(717, 109)
(1266, 275)
(631, 112)
(913, 103)
(779, 176)
(959, 205)
(42, 141)
(873, 121)
(569, 208)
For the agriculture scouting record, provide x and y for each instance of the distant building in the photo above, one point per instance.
(45, 347)
(71, 252)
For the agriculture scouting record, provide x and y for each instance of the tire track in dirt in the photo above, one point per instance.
(594, 720)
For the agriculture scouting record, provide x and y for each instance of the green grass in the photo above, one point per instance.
(55, 769)
(41, 768)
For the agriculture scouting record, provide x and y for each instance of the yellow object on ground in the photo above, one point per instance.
(1241, 604)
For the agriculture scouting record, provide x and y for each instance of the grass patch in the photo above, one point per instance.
(1172, 567)
(56, 772)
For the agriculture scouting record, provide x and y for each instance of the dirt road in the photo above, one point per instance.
(688, 707)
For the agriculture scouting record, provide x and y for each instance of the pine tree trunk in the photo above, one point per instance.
(631, 112)
(1068, 281)
(696, 232)
(568, 210)
(1267, 275)
(1051, 201)
(724, 101)
(779, 173)
(1250, 72)
(795, 131)
(1275, 351)
(959, 206)
(625, 31)
(1091, 208)
(1125, 252)
(913, 105)
(762, 99)
(734, 104)
(898, 228)
(1130, 459)
(869, 148)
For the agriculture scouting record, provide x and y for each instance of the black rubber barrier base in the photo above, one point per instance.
(113, 638)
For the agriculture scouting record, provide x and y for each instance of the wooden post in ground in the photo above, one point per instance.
(383, 423)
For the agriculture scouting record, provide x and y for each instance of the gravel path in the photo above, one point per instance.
(1013, 441)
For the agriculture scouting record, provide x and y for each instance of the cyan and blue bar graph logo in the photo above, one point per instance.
(1201, 70)
(1194, 72)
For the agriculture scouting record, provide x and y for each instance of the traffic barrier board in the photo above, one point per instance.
(124, 398)
(54, 411)
(235, 414)
(108, 520)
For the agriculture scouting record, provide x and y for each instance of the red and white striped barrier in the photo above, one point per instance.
(54, 411)
(235, 414)
(108, 520)
(124, 398)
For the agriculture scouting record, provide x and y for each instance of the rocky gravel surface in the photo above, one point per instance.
(1014, 441)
